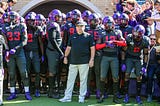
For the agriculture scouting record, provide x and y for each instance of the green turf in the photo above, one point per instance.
(45, 101)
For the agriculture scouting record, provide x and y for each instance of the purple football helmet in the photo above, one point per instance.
(85, 15)
(108, 23)
(75, 15)
(116, 17)
(55, 15)
(124, 19)
(14, 17)
(138, 32)
(93, 20)
(40, 19)
(30, 19)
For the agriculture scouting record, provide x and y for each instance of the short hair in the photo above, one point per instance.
(3, 3)
(13, 1)
(131, 2)
(157, 2)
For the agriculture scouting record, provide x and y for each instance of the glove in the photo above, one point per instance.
(7, 56)
(143, 71)
(12, 51)
(109, 44)
(123, 67)
(42, 59)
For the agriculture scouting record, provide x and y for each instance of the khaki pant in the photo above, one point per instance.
(83, 73)
(157, 36)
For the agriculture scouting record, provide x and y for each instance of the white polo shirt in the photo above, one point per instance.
(156, 15)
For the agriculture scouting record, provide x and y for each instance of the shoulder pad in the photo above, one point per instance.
(129, 38)
(53, 25)
(1, 38)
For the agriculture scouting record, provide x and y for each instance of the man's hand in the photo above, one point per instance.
(65, 61)
(91, 62)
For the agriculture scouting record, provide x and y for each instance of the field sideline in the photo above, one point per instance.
(45, 101)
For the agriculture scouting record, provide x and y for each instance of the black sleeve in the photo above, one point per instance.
(92, 43)
(55, 39)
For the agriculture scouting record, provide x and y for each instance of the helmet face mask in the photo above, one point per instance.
(14, 17)
(75, 18)
(123, 22)
(124, 19)
(40, 20)
(109, 26)
(85, 18)
(93, 23)
(30, 22)
(117, 21)
(75, 15)
(58, 18)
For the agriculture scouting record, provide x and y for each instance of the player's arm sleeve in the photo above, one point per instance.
(41, 44)
(146, 50)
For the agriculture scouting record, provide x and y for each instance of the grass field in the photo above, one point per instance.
(45, 101)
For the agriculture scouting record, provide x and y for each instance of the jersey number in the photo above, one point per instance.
(136, 49)
(108, 38)
(13, 36)
(71, 31)
(30, 36)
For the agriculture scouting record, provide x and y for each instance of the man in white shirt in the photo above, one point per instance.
(156, 17)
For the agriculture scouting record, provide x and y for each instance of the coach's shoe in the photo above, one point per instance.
(81, 100)
(138, 100)
(12, 96)
(28, 96)
(100, 100)
(37, 93)
(1, 103)
(65, 99)
(126, 98)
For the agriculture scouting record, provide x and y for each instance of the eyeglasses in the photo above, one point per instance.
(152, 38)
